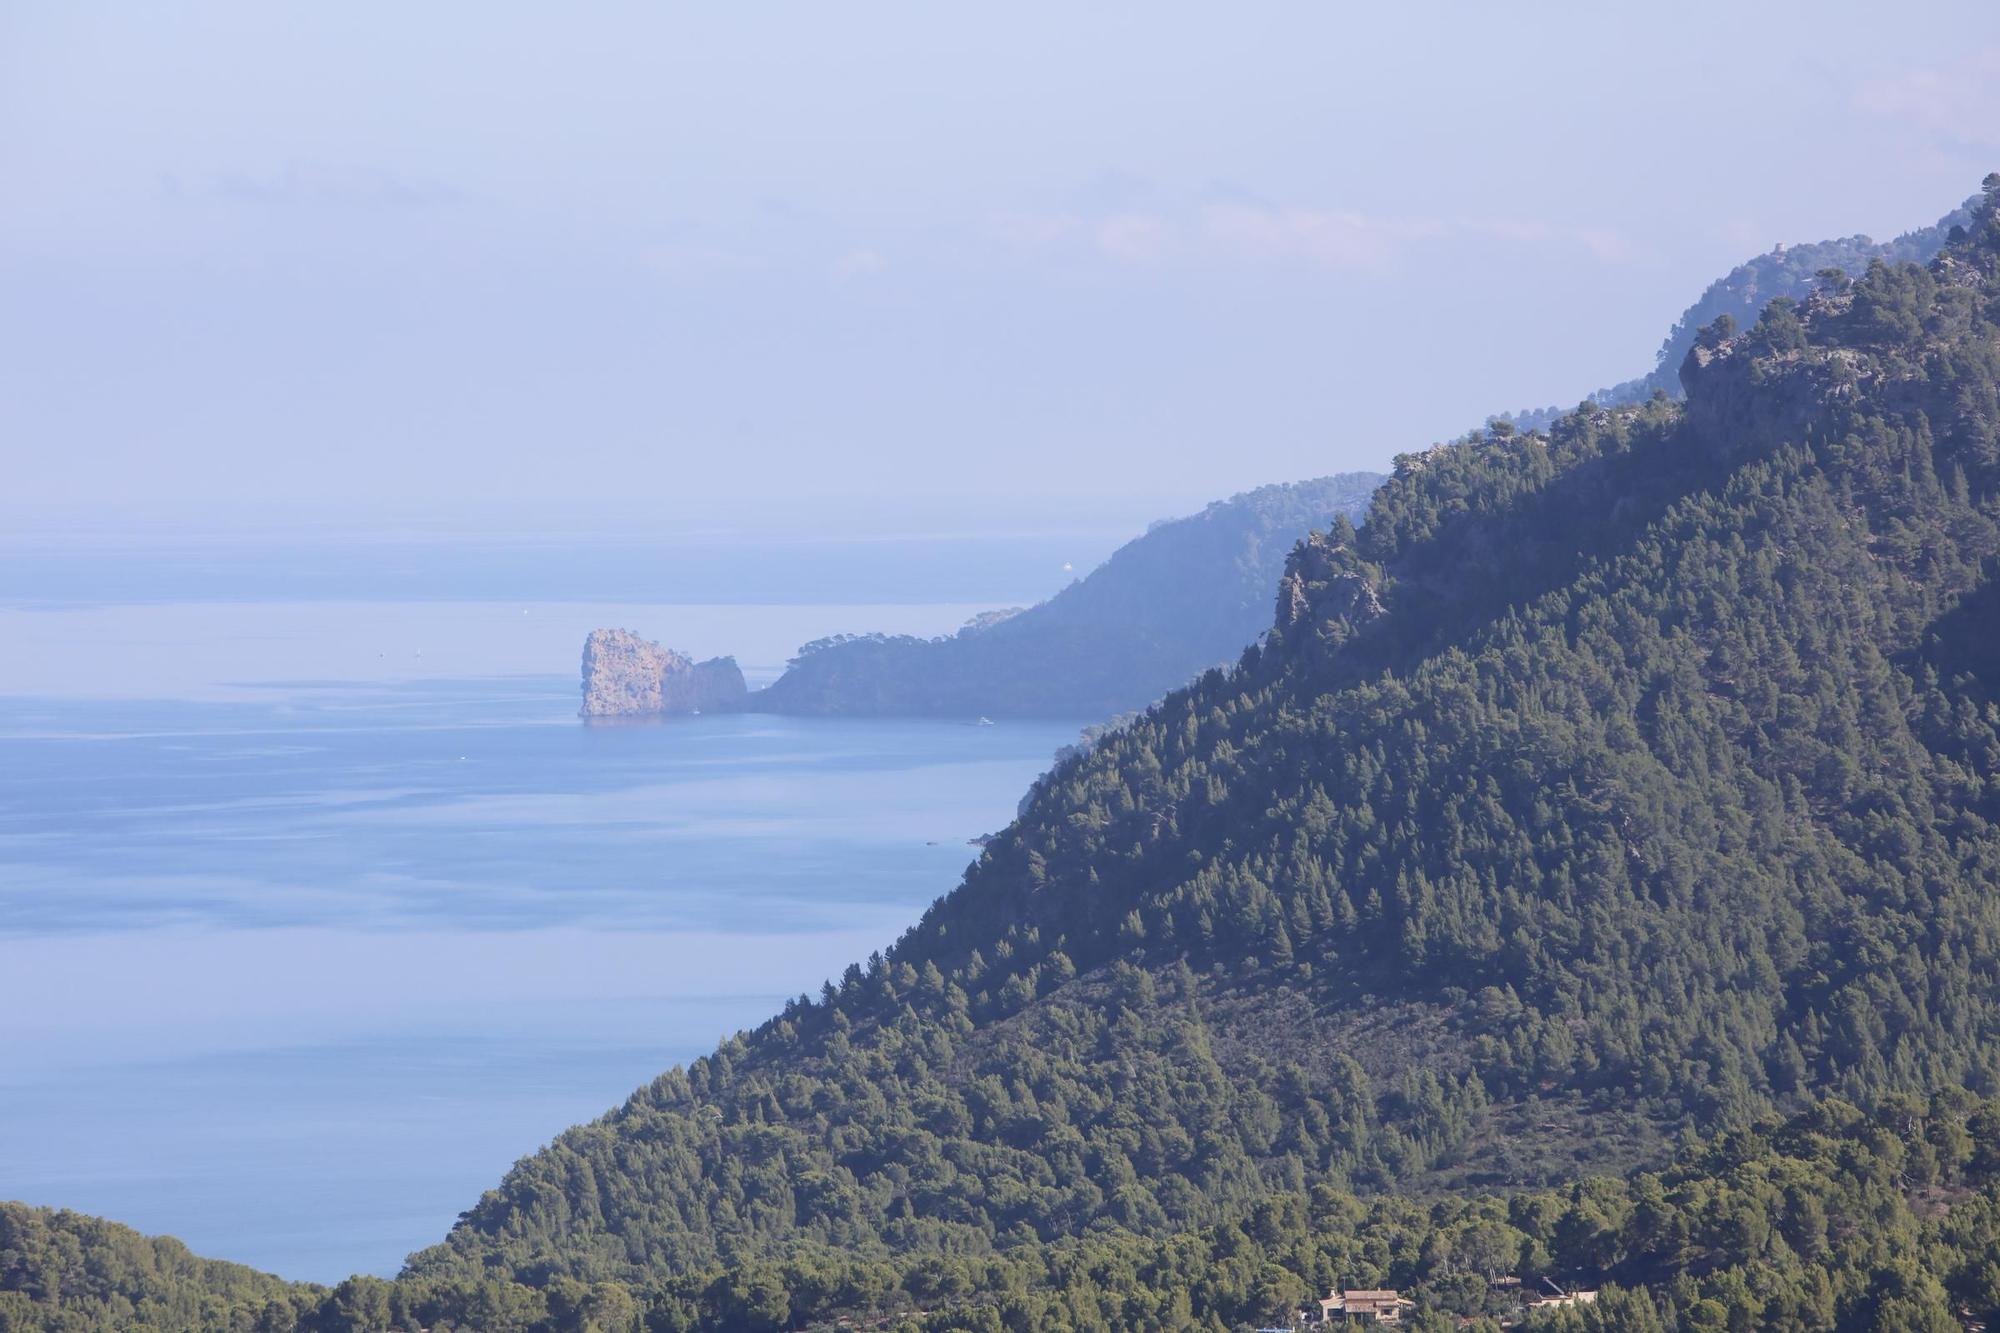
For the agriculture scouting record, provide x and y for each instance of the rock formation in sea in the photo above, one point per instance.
(627, 676)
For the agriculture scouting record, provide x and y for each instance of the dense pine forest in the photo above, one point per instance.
(1830, 1219)
(1593, 874)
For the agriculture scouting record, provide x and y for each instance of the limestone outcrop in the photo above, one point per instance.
(627, 676)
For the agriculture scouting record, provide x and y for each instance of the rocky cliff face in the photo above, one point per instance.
(627, 676)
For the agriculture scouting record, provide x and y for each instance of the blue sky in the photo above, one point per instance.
(707, 258)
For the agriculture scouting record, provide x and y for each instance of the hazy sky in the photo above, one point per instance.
(703, 255)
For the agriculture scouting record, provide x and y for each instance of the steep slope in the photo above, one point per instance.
(1609, 771)
(1186, 596)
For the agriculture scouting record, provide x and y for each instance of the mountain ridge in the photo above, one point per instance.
(1789, 271)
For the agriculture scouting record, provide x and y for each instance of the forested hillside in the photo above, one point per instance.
(1638, 775)
(1832, 1219)
(1186, 596)
(62, 1271)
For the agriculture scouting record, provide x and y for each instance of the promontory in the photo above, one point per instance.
(627, 676)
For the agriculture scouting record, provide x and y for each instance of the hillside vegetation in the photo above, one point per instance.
(67, 1273)
(1629, 777)
(1831, 1219)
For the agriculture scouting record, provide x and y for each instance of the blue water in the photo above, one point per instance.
(294, 972)
(487, 805)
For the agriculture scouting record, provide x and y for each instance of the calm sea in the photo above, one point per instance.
(319, 913)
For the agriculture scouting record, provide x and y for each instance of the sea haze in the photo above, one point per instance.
(307, 936)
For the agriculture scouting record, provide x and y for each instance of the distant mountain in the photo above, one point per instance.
(1790, 271)
(1190, 594)
(1639, 775)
